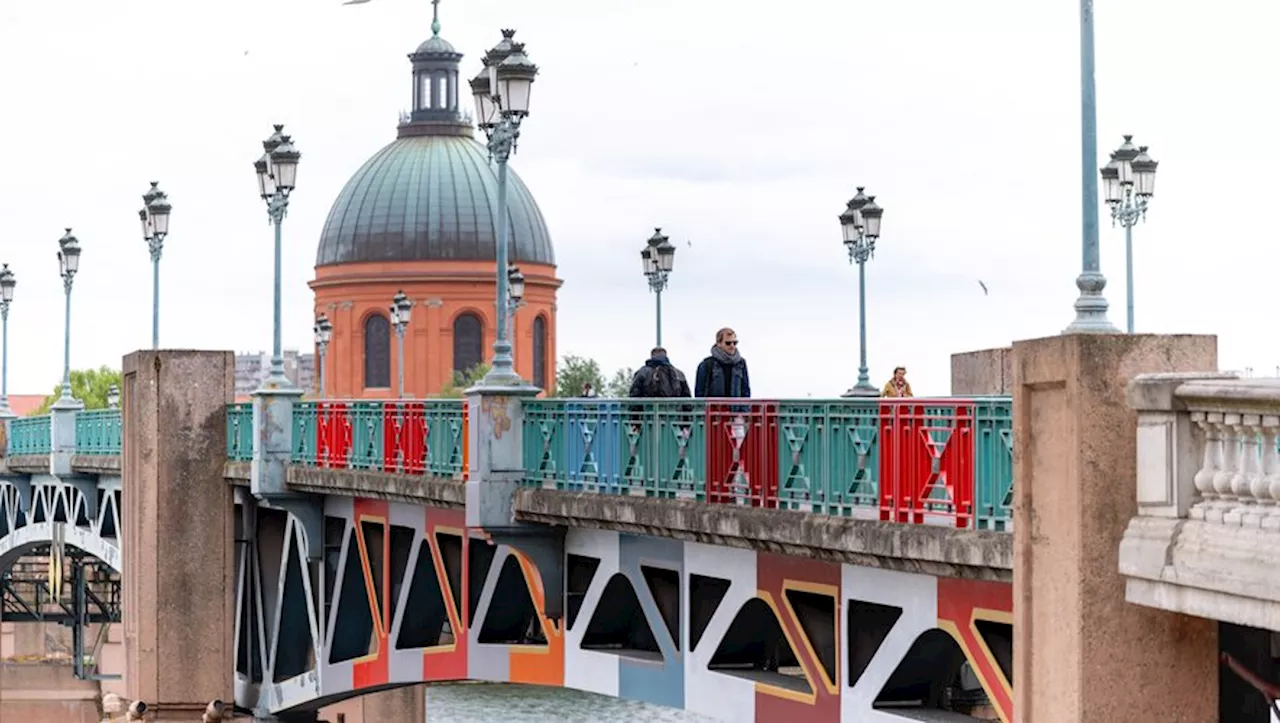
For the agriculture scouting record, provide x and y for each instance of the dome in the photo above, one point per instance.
(430, 198)
(435, 45)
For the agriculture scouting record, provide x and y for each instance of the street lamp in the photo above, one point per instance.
(324, 332)
(154, 216)
(515, 299)
(501, 94)
(1091, 305)
(113, 397)
(658, 258)
(860, 225)
(1129, 182)
(7, 283)
(68, 265)
(277, 171)
(400, 310)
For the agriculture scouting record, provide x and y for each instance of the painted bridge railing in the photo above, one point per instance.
(29, 436)
(945, 461)
(98, 432)
(403, 437)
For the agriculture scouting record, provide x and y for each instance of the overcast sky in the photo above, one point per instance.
(738, 127)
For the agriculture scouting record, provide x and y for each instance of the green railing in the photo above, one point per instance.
(409, 437)
(29, 436)
(240, 432)
(98, 432)
(914, 460)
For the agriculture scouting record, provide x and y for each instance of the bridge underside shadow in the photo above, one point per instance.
(402, 594)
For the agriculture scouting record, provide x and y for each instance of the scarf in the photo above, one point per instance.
(725, 357)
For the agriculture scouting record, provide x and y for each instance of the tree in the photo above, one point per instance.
(462, 381)
(620, 384)
(88, 385)
(573, 373)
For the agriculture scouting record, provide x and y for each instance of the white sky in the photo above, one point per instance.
(740, 126)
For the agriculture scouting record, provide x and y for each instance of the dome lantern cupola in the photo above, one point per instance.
(435, 86)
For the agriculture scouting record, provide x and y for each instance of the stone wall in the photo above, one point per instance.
(976, 373)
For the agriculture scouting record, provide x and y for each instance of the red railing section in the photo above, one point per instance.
(742, 453)
(926, 462)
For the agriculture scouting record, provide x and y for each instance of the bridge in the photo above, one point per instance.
(750, 560)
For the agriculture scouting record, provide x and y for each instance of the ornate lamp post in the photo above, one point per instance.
(400, 310)
(658, 257)
(7, 283)
(515, 299)
(860, 224)
(277, 171)
(1129, 182)
(154, 216)
(501, 93)
(113, 397)
(68, 265)
(1091, 305)
(324, 332)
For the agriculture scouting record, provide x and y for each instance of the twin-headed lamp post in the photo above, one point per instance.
(860, 224)
(154, 216)
(1129, 182)
(68, 265)
(7, 284)
(324, 332)
(501, 93)
(277, 171)
(658, 258)
(401, 308)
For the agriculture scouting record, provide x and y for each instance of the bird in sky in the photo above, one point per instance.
(984, 288)
(355, 2)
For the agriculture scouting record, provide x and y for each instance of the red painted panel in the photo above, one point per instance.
(775, 574)
(742, 453)
(373, 669)
(333, 435)
(404, 434)
(927, 461)
(960, 604)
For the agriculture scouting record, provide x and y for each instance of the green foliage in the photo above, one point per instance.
(462, 381)
(87, 385)
(620, 384)
(573, 373)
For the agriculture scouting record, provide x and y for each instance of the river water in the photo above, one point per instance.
(487, 703)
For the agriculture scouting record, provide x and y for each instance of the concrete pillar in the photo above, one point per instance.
(400, 705)
(178, 547)
(978, 373)
(1081, 652)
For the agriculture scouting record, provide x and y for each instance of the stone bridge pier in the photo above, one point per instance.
(180, 546)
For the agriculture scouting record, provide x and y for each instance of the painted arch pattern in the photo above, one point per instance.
(402, 594)
(80, 511)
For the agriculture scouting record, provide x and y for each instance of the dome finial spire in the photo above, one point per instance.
(435, 17)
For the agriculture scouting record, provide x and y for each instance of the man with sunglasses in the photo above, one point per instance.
(724, 373)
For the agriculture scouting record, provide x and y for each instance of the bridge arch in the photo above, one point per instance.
(78, 511)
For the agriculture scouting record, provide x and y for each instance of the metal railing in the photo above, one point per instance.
(946, 461)
(240, 432)
(29, 436)
(98, 432)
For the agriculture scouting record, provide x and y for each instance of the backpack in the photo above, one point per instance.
(663, 382)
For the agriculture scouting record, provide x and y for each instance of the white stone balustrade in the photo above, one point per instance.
(1206, 538)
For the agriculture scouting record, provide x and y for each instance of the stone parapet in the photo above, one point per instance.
(925, 549)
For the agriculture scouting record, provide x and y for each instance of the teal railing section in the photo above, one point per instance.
(98, 432)
(910, 460)
(29, 436)
(240, 432)
(399, 437)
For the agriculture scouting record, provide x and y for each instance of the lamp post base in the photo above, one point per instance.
(861, 391)
(6, 412)
(67, 401)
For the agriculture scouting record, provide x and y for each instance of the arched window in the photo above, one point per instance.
(540, 352)
(377, 351)
(468, 342)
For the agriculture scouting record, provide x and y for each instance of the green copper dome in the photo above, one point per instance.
(432, 194)
(430, 198)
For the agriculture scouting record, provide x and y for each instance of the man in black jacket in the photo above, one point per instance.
(658, 378)
(724, 373)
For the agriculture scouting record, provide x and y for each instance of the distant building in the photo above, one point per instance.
(253, 367)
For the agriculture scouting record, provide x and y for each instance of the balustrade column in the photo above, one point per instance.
(1208, 424)
(1248, 430)
(1228, 463)
(1269, 478)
